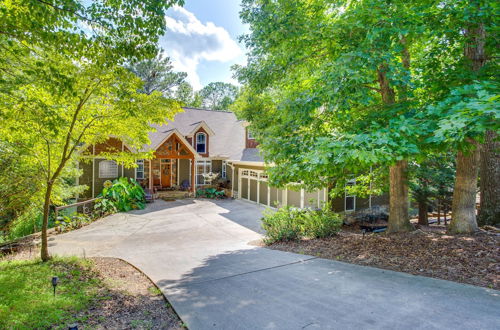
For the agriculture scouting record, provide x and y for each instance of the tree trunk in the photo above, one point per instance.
(439, 211)
(398, 198)
(46, 209)
(422, 213)
(398, 191)
(489, 173)
(463, 208)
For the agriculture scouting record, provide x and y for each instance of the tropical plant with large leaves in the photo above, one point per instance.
(123, 195)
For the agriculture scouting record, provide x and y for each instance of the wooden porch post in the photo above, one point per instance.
(232, 181)
(150, 174)
(193, 178)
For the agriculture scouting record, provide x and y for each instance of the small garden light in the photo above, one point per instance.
(54, 283)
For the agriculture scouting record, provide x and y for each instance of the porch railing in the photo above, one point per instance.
(86, 207)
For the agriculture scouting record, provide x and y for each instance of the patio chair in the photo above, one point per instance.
(149, 195)
(185, 185)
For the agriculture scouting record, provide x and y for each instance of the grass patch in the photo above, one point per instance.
(26, 295)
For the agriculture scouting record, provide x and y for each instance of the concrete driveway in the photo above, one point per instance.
(200, 253)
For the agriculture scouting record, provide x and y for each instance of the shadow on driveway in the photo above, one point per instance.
(267, 289)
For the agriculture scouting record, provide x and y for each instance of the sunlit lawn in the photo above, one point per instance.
(26, 295)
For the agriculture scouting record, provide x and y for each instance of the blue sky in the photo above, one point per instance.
(202, 40)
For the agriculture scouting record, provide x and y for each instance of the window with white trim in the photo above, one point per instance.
(108, 169)
(350, 199)
(139, 170)
(201, 143)
(249, 135)
(224, 170)
(202, 167)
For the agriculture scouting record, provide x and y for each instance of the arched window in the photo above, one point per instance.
(108, 169)
(201, 143)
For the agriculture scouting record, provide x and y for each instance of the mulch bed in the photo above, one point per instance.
(129, 300)
(473, 259)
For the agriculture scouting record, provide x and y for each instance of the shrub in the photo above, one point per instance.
(123, 195)
(74, 221)
(282, 225)
(289, 223)
(210, 193)
(321, 223)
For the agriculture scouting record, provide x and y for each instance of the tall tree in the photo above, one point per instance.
(61, 81)
(57, 123)
(334, 86)
(158, 75)
(465, 96)
(187, 96)
(218, 95)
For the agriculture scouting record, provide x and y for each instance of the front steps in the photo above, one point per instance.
(173, 194)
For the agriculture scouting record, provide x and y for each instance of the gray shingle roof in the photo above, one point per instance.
(229, 133)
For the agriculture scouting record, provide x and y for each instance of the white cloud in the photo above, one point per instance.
(188, 41)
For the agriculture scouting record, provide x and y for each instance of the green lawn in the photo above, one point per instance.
(26, 296)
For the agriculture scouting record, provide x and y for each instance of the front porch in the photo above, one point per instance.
(172, 168)
(176, 167)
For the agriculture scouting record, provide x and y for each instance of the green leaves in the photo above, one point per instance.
(466, 113)
(124, 195)
(218, 95)
(332, 89)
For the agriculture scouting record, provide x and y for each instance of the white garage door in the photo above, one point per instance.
(253, 187)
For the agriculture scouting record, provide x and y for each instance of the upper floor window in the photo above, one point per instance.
(201, 143)
(139, 170)
(108, 169)
(249, 135)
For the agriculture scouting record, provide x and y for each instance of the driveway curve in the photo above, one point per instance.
(202, 255)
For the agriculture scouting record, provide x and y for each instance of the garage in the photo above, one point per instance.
(253, 187)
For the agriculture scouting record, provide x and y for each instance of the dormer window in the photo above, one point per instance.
(201, 143)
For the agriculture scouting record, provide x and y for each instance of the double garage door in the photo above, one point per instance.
(253, 187)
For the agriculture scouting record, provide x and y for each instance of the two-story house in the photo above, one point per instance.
(199, 141)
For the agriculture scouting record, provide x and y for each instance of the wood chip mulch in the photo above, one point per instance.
(129, 300)
(473, 259)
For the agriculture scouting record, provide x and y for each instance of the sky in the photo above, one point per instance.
(202, 40)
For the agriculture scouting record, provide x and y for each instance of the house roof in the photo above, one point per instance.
(227, 141)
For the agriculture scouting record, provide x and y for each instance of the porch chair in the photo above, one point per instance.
(185, 185)
(149, 195)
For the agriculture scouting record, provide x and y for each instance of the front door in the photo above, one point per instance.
(165, 173)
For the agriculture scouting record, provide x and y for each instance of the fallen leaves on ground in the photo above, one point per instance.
(129, 300)
(473, 259)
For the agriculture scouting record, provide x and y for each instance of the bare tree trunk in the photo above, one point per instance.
(46, 210)
(398, 198)
(423, 219)
(489, 173)
(463, 209)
